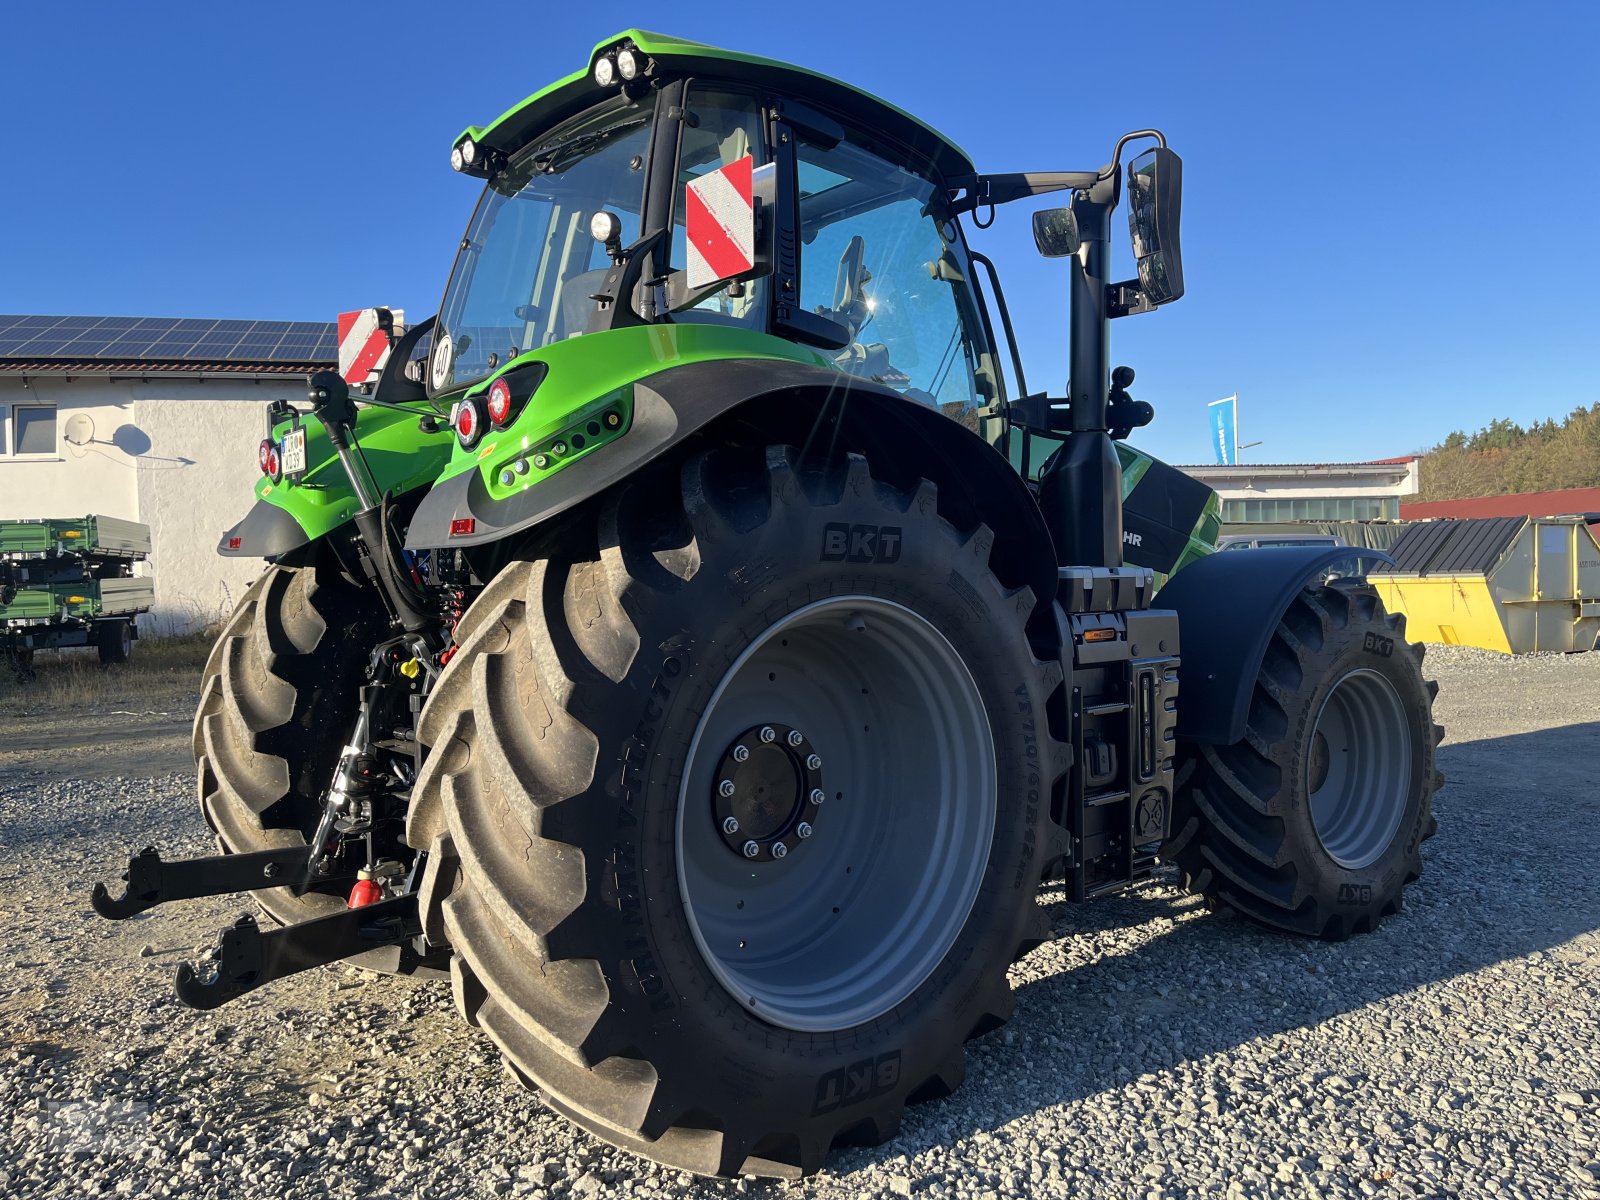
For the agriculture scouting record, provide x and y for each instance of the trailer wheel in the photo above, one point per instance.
(1313, 822)
(115, 641)
(736, 810)
(21, 661)
(277, 698)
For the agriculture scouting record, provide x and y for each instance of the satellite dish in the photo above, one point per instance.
(80, 429)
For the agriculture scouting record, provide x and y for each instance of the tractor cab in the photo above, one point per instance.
(847, 242)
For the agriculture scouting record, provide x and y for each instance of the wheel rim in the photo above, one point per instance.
(858, 911)
(1358, 772)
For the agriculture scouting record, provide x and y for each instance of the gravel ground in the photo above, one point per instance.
(1157, 1050)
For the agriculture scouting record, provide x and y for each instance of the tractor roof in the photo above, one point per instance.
(566, 97)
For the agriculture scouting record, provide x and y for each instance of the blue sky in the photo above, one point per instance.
(1389, 210)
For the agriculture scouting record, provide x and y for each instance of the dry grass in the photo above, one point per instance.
(162, 676)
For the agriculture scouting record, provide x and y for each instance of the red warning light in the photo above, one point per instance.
(461, 526)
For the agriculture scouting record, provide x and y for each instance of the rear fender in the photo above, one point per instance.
(1228, 605)
(748, 400)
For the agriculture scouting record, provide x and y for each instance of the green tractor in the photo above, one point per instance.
(700, 643)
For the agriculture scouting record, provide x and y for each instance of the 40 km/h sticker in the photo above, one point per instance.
(721, 224)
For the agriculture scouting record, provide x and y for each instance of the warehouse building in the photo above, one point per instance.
(154, 420)
(1267, 493)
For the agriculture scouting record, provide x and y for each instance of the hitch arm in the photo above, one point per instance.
(152, 882)
(246, 958)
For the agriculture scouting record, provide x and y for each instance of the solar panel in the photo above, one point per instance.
(24, 336)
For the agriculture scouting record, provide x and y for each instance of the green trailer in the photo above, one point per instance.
(69, 581)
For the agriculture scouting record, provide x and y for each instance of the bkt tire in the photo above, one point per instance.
(278, 700)
(736, 807)
(1314, 822)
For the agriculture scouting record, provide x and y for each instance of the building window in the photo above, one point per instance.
(1313, 508)
(33, 431)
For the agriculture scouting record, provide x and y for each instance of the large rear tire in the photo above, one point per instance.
(718, 1007)
(278, 698)
(1313, 822)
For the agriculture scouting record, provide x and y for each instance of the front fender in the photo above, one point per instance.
(288, 514)
(1228, 605)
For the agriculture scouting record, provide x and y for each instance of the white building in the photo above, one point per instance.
(1258, 493)
(155, 420)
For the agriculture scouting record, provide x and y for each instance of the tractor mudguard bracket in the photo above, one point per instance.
(151, 881)
(246, 958)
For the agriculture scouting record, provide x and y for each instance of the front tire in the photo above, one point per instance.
(1314, 821)
(278, 698)
(717, 1008)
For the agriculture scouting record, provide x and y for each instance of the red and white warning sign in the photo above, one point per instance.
(721, 223)
(363, 344)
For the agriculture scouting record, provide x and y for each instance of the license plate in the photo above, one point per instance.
(292, 453)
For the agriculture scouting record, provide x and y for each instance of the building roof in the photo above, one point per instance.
(1521, 504)
(45, 345)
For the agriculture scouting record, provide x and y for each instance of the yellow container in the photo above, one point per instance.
(1512, 584)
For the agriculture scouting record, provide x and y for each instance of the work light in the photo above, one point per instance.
(605, 71)
(456, 161)
(631, 64)
(469, 152)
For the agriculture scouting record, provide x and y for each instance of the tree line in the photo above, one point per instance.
(1504, 457)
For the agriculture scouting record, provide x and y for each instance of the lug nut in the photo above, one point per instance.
(751, 849)
(796, 737)
(520, 466)
(818, 795)
(803, 830)
(779, 850)
(730, 825)
(814, 763)
(740, 753)
(768, 733)
(725, 788)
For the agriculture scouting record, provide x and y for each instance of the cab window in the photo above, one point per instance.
(880, 257)
(725, 126)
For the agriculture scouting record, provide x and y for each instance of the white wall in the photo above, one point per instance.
(188, 504)
(176, 454)
(100, 477)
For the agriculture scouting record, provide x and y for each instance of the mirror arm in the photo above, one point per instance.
(1003, 189)
(1125, 299)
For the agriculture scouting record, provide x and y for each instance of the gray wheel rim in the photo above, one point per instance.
(861, 913)
(1359, 770)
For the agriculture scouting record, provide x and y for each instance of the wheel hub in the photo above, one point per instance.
(766, 792)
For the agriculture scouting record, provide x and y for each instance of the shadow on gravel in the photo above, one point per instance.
(1505, 877)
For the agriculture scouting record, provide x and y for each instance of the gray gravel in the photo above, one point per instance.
(1157, 1050)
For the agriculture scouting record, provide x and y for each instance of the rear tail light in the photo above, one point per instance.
(271, 464)
(469, 422)
(499, 402)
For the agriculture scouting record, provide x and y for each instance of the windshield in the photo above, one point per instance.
(528, 268)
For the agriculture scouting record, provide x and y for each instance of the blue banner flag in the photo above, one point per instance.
(1225, 430)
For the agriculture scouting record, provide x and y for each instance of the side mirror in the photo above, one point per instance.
(1155, 198)
(1055, 232)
